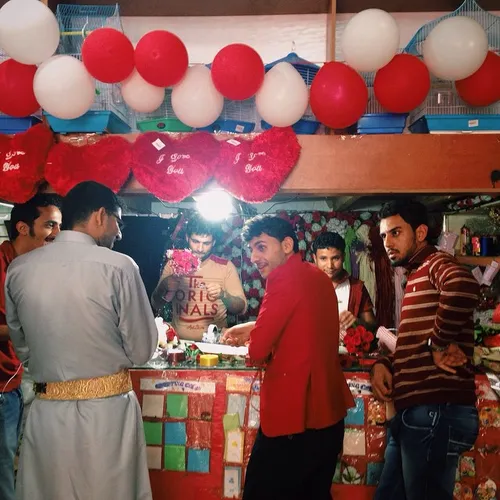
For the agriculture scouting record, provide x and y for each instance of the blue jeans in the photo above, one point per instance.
(11, 416)
(425, 443)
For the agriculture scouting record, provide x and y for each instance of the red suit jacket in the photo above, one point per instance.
(304, 386)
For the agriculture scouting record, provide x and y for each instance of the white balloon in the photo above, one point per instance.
(140, 95)
(370, 40)
(283, 97)
(456, 48)
(196, 101)
(63, 87)
(29, 31)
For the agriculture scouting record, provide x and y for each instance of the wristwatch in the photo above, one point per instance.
(435, 348)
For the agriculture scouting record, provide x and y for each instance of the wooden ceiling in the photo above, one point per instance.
(268, 7)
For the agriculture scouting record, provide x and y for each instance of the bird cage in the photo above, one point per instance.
(13, 124)
(376, 120)
(307, 70)
(108, 113)
(443, 110)
(239, 117)
(163, 119)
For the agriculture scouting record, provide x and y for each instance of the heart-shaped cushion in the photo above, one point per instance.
(106, 161)
(253, 171)
(22, 158)
(172, 169)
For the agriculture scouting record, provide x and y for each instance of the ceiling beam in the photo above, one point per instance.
(342, 203)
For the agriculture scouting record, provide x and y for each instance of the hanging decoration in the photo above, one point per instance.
(370, 40)
(16, 89)
(161, 58)
(482, 88)
(172, 169)
(237, 71)
(456, 48)
(108, 55)
(253, 171)
(63, 87)
(338, 95)
(22, 158)
(106, 162)
(29, 31)
(283, 98)
(196, 101)
(403, 84)
(140, 95)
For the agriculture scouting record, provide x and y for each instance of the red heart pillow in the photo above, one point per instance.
(22, 157)
(106, 162)
(172, 169)
(253, 171)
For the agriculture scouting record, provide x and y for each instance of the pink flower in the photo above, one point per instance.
(182, 262)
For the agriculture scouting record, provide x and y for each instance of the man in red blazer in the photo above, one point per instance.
(304, 395)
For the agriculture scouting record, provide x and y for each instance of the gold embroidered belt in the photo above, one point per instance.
(90, 388)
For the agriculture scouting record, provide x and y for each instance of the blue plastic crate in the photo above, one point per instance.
(97, 122)
(382, 123)
(455, 123)
(13, 125)
(304, 127)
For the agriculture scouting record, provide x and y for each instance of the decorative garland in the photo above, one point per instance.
(456, 49)
(169, 167)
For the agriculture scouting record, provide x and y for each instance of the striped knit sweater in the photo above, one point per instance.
(439, 300)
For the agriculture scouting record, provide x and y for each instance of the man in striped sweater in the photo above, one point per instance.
(429, 378)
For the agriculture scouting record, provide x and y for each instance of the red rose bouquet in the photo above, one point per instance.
(182, 262)
(358, 340)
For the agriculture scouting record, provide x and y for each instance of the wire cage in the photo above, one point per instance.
(109, 112)
(163, 119)
(375, 119)
(239, 117)
(443, 110)
(308, 124)
(13, 124)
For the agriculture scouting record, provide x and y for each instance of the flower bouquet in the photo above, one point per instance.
(358, 342)
(182, 263)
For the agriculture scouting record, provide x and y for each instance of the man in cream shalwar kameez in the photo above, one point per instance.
(78, 310)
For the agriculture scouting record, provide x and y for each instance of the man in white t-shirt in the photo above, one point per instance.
(207, 296)
(355, 305)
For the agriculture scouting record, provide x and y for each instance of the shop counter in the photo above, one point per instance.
(201, 423)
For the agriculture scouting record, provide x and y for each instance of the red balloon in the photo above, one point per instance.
(237, 71)
(338, 95)
(161, 58)
(16, 89)
(108, 55)
(483, 87)
(403, 84)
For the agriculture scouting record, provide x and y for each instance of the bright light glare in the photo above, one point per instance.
(214, 205)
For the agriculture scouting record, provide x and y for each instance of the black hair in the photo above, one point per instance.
(273, 226)
(85, 199)
(201, 226)
(30, 211)
(411, 211)
(328, 240)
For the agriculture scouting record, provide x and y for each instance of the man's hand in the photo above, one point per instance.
(220, 315)
(238, 334)
(381, 379)
(167, 272)
(450, 358)
(214, 291)
(346, 320)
